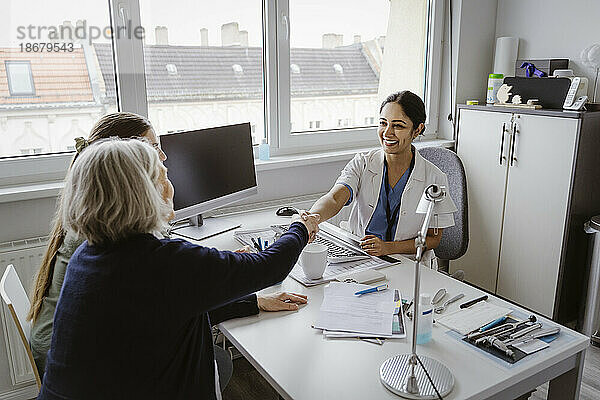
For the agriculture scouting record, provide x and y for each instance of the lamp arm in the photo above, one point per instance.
(420, 245)
(420, 241)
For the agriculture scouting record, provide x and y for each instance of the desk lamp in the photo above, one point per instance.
(408, 375)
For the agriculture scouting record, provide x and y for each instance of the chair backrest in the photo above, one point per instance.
(16, 299)
(455, 239)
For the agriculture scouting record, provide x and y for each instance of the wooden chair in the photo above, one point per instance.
(16, 299)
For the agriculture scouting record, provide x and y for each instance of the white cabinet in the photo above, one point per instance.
(537, 196)
(519, 177)
(484, 138)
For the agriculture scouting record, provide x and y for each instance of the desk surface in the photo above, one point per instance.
(300, 364)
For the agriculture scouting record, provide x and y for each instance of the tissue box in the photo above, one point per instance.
(548, 65)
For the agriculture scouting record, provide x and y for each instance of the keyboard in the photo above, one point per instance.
(337, 250)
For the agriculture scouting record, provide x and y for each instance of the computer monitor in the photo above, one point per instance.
(209, 168)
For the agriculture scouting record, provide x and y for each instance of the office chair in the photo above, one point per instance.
(455, 239)
(16, 299)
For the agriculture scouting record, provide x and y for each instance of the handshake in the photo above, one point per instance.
(310, 221)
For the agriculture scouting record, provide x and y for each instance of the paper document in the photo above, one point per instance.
(468, 319)
(342, 311)
(532, 346)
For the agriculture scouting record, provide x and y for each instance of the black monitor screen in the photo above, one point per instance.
(209, 163)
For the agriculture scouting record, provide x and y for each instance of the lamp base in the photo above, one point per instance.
(394, 373)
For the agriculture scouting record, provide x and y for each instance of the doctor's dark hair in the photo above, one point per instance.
(413, 106)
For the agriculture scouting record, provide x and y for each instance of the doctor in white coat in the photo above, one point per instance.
(384, 186)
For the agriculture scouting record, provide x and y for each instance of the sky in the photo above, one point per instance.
(309, 19)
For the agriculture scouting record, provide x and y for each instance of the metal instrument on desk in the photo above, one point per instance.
(504, 328)
(521, 330)
(442, 308)
(437, 298)
(497, 343)
(536, 335)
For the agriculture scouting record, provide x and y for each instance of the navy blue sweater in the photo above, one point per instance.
(132, 318)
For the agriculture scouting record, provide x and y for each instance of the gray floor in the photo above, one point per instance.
(248, 384)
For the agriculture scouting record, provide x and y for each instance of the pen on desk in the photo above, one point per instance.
(471, 302)
(256, 246)
(372, 289)
(492, 324)
(260, 243)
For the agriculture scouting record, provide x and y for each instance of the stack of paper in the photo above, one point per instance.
(344, 314)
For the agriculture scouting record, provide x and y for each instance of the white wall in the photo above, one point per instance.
(552, 29)
(473, 30)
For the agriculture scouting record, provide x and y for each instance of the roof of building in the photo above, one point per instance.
(58, 77)
(213, 73)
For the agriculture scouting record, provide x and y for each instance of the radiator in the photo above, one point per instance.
(26, 256)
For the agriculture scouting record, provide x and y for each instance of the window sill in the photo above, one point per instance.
(52, 188)
(290, 161)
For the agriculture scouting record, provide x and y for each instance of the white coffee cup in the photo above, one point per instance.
(313, 260)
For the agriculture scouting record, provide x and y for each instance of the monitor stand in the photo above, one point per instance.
(200, 228)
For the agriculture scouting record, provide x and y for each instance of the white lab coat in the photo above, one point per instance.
(364, 174)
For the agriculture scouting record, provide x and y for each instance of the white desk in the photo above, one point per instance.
(300, 364)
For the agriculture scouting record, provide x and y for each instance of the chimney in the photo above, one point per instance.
(142, 34)
(243, 38)
(357, 39)
(162, 35)
(204, 37)
(332, 40)
(230, 34)
(66, 31)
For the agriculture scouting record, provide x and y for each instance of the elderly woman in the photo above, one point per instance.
(384, 186)
(62, 244)
(132, 318)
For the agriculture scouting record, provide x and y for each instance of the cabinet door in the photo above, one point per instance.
(482, 138)
(537, 198)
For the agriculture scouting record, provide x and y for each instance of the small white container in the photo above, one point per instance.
(494, 83)
(263, 151)
(425, 324)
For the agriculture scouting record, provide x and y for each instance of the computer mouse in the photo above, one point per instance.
(286, 211)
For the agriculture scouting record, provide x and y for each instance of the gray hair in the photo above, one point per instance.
(113, 191)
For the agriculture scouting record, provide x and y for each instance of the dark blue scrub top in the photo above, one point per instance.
(388, 203)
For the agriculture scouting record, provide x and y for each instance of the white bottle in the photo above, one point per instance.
(263, 150)
(494, 83)
(425, 324)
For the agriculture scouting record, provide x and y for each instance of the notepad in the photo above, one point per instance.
(468, 319)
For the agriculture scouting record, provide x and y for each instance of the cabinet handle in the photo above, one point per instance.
(512, 145)
(502, 144)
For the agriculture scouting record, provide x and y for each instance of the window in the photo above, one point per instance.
(307, 81)
(336, 70)
(20, 79)
(217, 50)
(49, 95)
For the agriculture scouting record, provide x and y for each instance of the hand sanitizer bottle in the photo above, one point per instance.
(263, 150)
(425, 319)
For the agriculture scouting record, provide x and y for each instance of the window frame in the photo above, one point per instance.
(24, 170)
(7, 63)
(130, 85)
(284, 141)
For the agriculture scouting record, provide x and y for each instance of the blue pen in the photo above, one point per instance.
(266, 244)
(260, 243)
(372, 290)
(492, 324)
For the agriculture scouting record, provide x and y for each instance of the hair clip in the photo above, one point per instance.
(80, 144)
